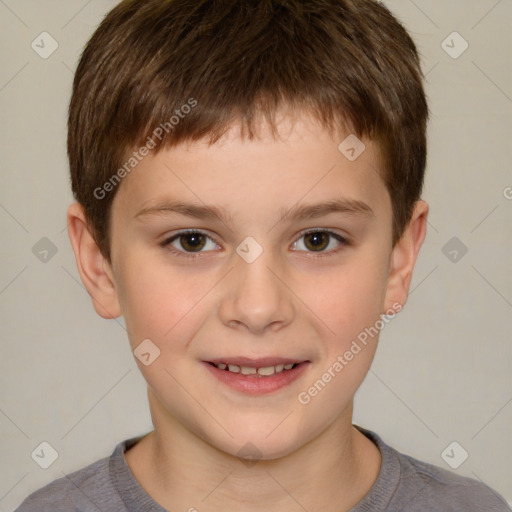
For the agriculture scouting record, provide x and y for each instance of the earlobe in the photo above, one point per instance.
(92, 266)
(404, 256)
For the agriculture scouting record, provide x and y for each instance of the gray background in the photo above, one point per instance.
(442, 371)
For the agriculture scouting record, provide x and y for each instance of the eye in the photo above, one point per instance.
(189, 241)
(319, 240)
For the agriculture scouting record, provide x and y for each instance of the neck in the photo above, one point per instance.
(181, 471)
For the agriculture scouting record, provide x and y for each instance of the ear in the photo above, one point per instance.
(403, 257)
(95, 271)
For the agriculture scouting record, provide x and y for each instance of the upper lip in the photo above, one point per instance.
(260, 362)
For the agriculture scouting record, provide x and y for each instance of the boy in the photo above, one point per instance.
(248, 178)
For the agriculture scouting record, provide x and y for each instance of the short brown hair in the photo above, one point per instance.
(350, 63)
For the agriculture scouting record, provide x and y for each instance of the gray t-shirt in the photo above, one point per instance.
(404, 484)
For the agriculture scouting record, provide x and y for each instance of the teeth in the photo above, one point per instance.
(265, 371)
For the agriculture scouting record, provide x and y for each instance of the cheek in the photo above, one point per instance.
(350, 303)
(155, 299)
(349, 298)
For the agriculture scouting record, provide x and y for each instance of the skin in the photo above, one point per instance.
(289, 302)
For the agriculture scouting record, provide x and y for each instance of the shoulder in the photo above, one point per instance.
(426, 485)
(407, 484)
(84, 490)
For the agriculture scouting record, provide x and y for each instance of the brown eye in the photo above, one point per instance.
(322, 242)
(192, 242)
(316, 241)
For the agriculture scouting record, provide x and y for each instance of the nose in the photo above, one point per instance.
(256, 297)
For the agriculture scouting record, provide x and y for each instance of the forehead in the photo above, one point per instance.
(304, 164)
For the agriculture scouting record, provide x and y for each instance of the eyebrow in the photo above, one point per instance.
(297, 212)
(188, 209)
(346, 206)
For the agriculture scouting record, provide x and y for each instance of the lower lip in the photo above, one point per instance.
(257, 385)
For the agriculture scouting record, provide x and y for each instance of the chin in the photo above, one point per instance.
(252, 442)
(263, 449)
(256, 440)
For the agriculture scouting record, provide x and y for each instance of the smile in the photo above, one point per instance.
(256, 377)
(264, 371)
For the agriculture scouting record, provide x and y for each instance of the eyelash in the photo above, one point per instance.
(166, 243)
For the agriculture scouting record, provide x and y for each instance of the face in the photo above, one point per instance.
(241, 259)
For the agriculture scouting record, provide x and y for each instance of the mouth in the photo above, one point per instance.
(257, 376)
(258, 371)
